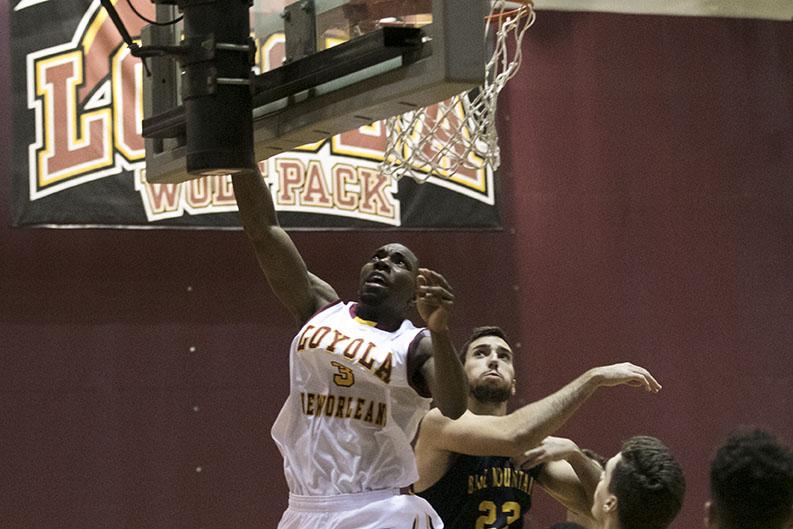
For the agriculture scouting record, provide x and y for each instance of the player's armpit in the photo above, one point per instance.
(419, 364)
(283, 266)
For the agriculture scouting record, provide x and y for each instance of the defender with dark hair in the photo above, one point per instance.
(751, 483)
(470, 468)
(641, 487)
(643, 483)
(480, 332)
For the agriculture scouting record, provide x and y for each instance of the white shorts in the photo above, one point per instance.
(380, 509)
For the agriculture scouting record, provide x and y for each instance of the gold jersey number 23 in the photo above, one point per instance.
(490, 510)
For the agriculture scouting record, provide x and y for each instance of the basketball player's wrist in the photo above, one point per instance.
(439, 329)
(574, 454)
(592, 379)
(438, 324)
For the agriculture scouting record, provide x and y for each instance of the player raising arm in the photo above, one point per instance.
(361, 377)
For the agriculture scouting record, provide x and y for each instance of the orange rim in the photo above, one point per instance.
(526, 7)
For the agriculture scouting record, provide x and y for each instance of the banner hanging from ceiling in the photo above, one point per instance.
(79, 155)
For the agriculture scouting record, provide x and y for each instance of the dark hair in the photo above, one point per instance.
(751, 481)
(478, 332)
(648, 483)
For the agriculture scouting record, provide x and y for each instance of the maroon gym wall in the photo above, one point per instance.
(654, 212)
(648, 214)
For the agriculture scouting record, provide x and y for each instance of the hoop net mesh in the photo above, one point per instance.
(440, 139)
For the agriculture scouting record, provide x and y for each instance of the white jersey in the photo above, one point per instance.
(351, 414)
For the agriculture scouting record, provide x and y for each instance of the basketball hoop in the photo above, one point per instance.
(501, 10)
(439, 140)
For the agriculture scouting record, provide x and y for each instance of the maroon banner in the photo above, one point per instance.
(79, 154)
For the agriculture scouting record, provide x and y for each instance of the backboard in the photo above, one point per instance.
(325, 67)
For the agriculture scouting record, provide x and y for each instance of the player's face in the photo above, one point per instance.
(604, 503)
(488, 365)
(389, 274)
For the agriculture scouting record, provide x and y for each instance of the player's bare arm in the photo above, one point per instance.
(567, 473)
(511, 435)
(301, 292)
(442, 372)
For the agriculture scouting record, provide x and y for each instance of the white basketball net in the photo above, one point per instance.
(460, 132)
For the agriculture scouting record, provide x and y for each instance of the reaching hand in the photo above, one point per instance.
(434, 299)
(628, 374)
(551, 449)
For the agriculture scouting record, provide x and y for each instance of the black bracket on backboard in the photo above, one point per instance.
(313, 70)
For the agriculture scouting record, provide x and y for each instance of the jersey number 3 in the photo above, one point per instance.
(345, 377)
(510, 508)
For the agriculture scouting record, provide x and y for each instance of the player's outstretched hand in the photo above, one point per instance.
(628, 374)
(551, 449)
(434, 300)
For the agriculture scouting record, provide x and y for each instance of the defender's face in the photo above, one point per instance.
(391, 272)
(604, 503)
(488, 363)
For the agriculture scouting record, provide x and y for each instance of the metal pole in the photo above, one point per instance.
(216, 87)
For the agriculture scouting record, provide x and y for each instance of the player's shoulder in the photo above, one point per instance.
(433, 415)
(323, 294)
(430, 429)
(432, 420)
